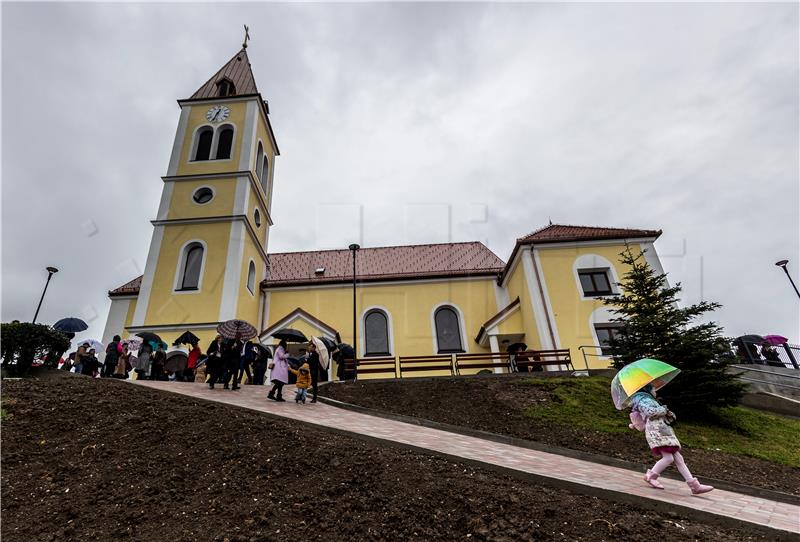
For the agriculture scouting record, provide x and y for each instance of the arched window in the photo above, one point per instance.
(204, 138)
(226, 88)
(224, 142)
(257, 218)
(265, 174)
(448, 330)
(260, 161)
(376, 333)
(192, 265)
(251, 277)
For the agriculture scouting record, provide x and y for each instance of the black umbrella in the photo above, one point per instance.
(263, 350)
(70, 325)
(752, 339)
(187, 338)
(517, 346)
(330, 344)
(290, 335)
(149, 337)
(346, 351)
(176, 361)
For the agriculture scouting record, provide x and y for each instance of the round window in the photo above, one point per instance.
(257, 218)
(203, 195)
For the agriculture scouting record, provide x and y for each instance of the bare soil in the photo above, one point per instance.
(497, 405)
(86, 459)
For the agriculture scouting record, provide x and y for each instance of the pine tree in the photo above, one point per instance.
(654, 325)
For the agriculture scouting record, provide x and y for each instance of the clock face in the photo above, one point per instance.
(218, 113)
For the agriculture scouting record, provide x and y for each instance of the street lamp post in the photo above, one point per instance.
(50, 272)
(354, 248)
(782, 264)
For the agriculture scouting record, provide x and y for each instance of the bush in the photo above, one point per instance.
(24, 342)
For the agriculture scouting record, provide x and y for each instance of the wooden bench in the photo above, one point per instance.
(409, 364)
(485, 360)
(372, 365)
(538, 359)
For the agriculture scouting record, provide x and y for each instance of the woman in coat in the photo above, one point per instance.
(123, 361)
(143, 367)
(214, 362)
(191, 363)
(279, 372)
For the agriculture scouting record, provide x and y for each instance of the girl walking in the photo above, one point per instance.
(279, 372)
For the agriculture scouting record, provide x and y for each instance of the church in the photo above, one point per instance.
(209, 261)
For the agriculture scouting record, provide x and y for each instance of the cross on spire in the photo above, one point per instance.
(246, 36)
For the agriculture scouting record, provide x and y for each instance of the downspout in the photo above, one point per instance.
(544, 302)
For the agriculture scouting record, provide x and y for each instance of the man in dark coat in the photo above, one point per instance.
(112, 357)
(214, 361)
(312, 358)
(232, 358)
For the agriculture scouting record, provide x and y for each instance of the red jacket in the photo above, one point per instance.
(194, 355)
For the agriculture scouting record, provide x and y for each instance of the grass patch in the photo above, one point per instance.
(586, 403)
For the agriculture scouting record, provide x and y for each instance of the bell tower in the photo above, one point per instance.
(208, 253)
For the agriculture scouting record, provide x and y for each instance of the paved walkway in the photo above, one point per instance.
(724, 503)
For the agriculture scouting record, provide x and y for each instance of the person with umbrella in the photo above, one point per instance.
(157, 364)
(260, 360)
(314, 364)
(279, 372)
(113, 351)
(214, 362)
(143, 365)
(191, 361)
(635, 385)
(231, 356)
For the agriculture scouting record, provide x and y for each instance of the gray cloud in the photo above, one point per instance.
(674, 116)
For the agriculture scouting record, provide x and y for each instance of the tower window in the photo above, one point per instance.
(265, 174)
(226, 88)
(192, 264)
(225, 143)
(204, 138)
(203, 195)
(251, 277)
(257, 218)
(448, 330)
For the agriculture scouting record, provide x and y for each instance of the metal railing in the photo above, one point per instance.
(602, 352)
(758, 353)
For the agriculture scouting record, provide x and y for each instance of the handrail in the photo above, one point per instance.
(600, 355)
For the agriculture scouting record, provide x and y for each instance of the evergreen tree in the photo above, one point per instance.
(654, 325)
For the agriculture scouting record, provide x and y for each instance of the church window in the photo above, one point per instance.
(265, 174)
(251, 277)
(448, 330)
(257, 218)
(225, 143)
(192, 265)
(260, 161)
(226, 88)
(376, 333)
(204, 138)
(203, 195)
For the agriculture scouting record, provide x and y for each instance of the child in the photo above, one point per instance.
(649, 416)
(303, 381)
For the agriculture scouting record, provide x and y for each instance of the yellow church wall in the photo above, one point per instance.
(182, 205)
(517, 287)
(409, 304)
(197, 117)
(247, 307)
(129, 316)
(253, 204)
(572, 312)
(167, 307)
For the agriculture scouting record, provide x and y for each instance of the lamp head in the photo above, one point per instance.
(51, 270)
(782, 263)
(354, 246)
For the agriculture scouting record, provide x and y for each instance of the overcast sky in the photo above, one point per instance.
(433, 122)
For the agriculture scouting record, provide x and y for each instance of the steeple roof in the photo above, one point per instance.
(238, 71)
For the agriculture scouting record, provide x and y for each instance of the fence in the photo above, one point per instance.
(756, 352)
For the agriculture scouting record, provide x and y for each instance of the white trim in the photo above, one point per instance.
(389, 329)
(181, 267)
(233, 270)
(115, 323)
(166, 199)
(247, 280)
(147, 279)
(410, 280)
(213, 194)
(495, 350)
(596, 243)
(537, 262)
(176, 327)
(240, 197)
(246, 152)
(177, 145)
(594, 262)
(513, 265)
(501, 296)
(461, 324)
(291, 318)
(651, 257)
(212, 153)
(537, 304)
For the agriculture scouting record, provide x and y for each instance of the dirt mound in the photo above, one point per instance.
(496, 405)
(105, 460)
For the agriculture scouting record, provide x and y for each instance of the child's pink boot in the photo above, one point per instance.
(698, 488)
(652, 479)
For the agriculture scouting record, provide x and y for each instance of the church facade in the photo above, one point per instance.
(209, 261)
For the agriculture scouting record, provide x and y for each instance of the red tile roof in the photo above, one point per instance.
(383, 263)
(559, 233)
(129, 288)
(240, 73)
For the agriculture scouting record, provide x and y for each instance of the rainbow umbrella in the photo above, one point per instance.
(634, 376)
